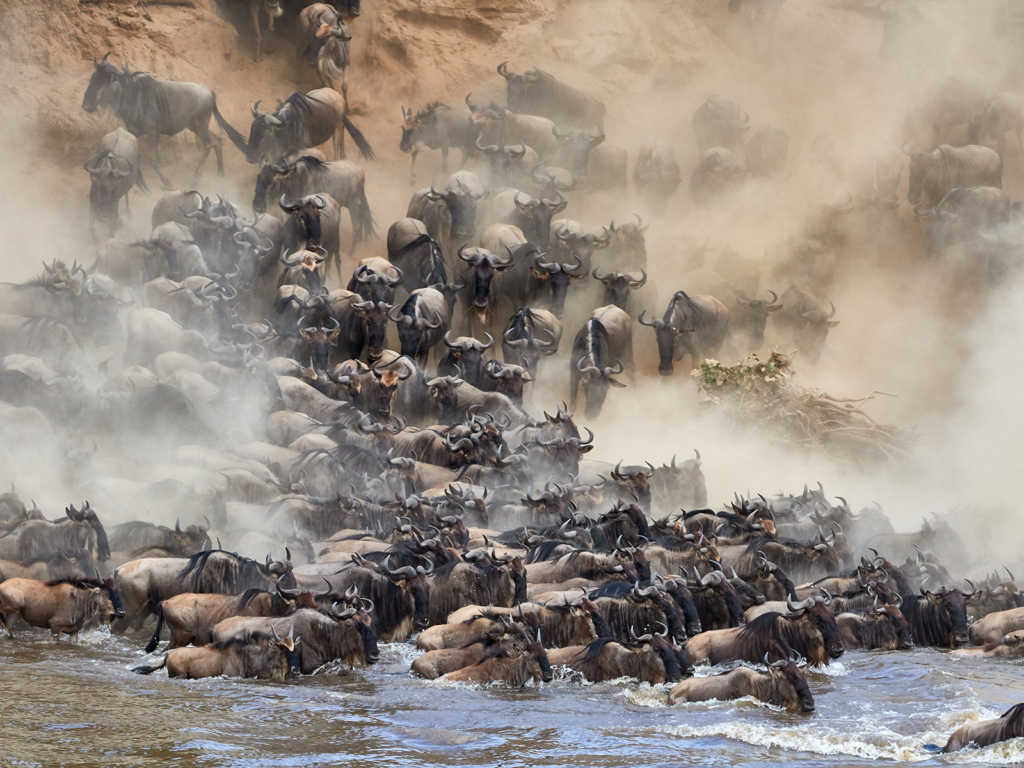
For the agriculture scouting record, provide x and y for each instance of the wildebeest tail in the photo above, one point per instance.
(141, 182)
(367, 226)
(236, 138)
(357, 136)
(148, 670)
(154, 641)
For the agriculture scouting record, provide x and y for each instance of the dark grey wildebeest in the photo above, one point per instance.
(113, 171)
(803, 323)
(480, 296)
(529, 334)
(719, 171)
(657, 174)
(747, 318)
(324, 39)
(531, 214)
(1002, 113)
(599, 347)
(422, 322)
(536, 92)
(720, 122)
(152, 107)
(438, 126)
(694, 326)
(504, 163)
(313, 220)
(308, 175)
(962, 216)
(935, 173)
(449, 214)
(303, 120)
(502, 126)
(414, 251)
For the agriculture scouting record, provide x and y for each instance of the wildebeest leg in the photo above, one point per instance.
(412, 171)
(444, 160)
(355, 216)
(339, 141)
(254, 9)
(154, 145)
(8, 619)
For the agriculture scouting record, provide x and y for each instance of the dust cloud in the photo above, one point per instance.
(948, 345)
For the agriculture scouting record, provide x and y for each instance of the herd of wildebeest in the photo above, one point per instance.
(404, 489)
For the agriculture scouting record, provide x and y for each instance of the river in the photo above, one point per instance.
(82, 706)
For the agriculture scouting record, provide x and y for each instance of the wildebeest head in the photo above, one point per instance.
(508, 379)
(576, 146)
(413, 329)
(515, 86)
(540, 211)
(307, 266)
(467, 354)
(518, 344)
(891, 626)
(358, 612)
(813, 331)
(618, 286)
(787, 674)
(88, 517)
(716, 592)
(413, 581)
(269, 173)
(951, 608)
(630, 243)
(461, 204)
(106, 171)
(557, 277)
(753, 315)
(195, 538)
(375, 286)
(665, 332)
(814, 612)
(305, 212)
(595, 384)
(109, 589)
(318, 341)
(375, 319)
(262, 133)
(104, 75)
(388, 380)
(582, 246)
(483, 265)
(500, 159)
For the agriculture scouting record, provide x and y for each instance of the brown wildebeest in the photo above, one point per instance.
(67, 606)
(256, 655)
(809, 629)
(526, 661)
(783, 684)
(654, 660)
(1009, 725)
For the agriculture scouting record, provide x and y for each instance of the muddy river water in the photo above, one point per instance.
(82, 706)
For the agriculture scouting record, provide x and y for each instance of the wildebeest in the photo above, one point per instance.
(179, 543)
(255, 656)
(81, 532)
(767, 151)
(530, 333)
(720, 122)
(983, 733)
(536, 92)
(810, 629)
(145, 583)
(994, 627)
(599, 347)
(113, 171)
(881, 627)
(532, 215)
(422, 322)
(963, 216)
(938, 618)
(401, 596)
(782, 684)
(313, 221)
(1002, 113)
(527, 661)
(480, 295)
(679, 485)
(657, 174)
(449, 215)
(415, 252)
(308, 175)
(618, 287)
(66, 606)
(935, 173)
(152, 107)
(691, 326)
(719, 170)
(651, 660)
(438, 126)
(190, 618)
(803, 323)
(303, 120)
(324, 39)
(52, 567)
(341, 635)
(273, 10)
(748, 317)
(504, 162)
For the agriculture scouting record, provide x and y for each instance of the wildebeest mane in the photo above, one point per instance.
(228, 575)
(594, 650)
(249, 638)
(544, 551)
(428, 111)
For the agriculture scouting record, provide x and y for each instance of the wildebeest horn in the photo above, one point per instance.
(502, 70)
(470, 104)
(794, 607)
